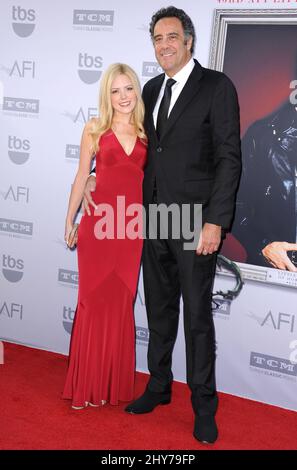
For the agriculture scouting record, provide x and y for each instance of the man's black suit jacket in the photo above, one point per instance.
(198, 158)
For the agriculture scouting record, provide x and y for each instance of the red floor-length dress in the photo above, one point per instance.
(102, 350)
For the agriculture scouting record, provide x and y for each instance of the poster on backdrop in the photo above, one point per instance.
(256, 325)
(257, 49)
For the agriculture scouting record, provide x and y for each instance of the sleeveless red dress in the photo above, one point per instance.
(102, 349)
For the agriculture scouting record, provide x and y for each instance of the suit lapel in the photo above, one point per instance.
(187, 94)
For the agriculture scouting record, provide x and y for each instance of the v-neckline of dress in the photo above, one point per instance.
(127, 155)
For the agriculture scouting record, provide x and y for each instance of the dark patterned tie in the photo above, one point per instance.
(164, 107)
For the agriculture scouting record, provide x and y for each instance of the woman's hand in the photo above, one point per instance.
(88, 200)
(70, 236)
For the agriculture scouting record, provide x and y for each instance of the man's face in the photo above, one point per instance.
(171, 48)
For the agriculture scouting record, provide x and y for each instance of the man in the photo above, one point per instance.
(192, 123)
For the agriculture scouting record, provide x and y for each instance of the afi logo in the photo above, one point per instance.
(12, 310)
(25, 68)
(17, 194)
(83, 116)
(278, 321)
(140, 298)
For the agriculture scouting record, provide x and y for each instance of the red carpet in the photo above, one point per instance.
(33, 415)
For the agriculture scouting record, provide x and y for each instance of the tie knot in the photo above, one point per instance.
(170, 82)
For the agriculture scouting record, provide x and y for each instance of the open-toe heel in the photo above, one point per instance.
(103, 402)
(80, 407)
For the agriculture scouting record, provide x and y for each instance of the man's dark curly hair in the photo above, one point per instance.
(173, 12)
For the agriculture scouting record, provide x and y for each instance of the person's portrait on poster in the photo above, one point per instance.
(264, 231)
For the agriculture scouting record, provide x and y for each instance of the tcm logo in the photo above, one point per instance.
(275, 364)
(72, 151)
(21, 105)
(93, 17)
(142, 334)
(222, 306)
(18, 150)
(89, 68)
(23, 21)
(68, 317)
(26, 68)
(16, 227)
(11, 310)
(17, 194)
(12, 268)
(68, 277)
(151, 69)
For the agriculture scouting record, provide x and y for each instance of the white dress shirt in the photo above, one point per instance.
(181, 78)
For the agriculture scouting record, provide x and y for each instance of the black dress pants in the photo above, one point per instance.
(169, 271)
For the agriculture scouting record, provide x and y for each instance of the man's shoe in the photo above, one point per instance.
(205, 429)
(148, 402)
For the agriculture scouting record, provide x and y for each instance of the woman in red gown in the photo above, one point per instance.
(109, 244)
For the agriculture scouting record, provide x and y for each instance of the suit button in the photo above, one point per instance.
(159, 149)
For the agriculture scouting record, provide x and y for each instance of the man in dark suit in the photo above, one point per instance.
(192, 123)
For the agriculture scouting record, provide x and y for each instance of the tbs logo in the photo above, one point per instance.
(12, 268)
(23, 21)
(18, 149)
(68, 317)
(89, 68)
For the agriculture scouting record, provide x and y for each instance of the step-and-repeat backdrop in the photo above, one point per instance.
(52, 57)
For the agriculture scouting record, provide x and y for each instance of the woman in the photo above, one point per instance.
(102, 351)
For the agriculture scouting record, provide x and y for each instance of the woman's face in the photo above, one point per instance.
(123, 95)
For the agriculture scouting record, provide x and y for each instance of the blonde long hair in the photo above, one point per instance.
(103, 123)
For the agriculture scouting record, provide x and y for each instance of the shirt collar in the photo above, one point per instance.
(183, 74)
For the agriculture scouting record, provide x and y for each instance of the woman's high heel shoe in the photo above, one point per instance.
(87, 403)
(80, 407)
(103, 402)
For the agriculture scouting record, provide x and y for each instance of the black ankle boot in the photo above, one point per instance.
(148, 402)
(205, 429)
